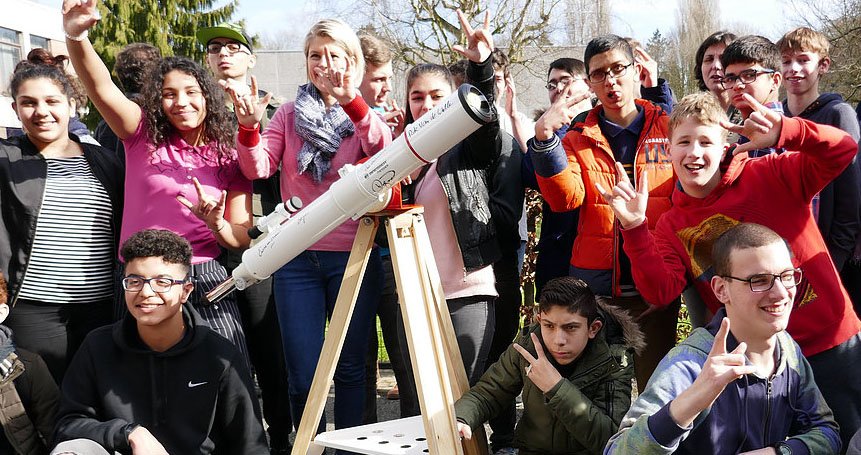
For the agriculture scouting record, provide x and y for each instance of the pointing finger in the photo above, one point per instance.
(731, 127)
(464, 23)
(643, 188)
(200, 192)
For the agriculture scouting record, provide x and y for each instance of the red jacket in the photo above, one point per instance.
(591, 161)
(774, 191)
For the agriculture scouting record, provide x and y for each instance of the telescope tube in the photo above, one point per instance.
(423, 141)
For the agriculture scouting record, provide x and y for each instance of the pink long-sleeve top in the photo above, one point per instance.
(260, 157)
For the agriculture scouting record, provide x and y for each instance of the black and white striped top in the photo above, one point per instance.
(72, 256)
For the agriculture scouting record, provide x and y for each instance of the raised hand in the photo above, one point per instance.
(723, 367)
(762, 127)
(395, 118)
(720, 369)
(79, 16)
(649, 71)
(479, 41)
(560, 113)
(247, 105)
(510, 97)
(628, 203)
(337, 81)
(208, 209)
(540, 371)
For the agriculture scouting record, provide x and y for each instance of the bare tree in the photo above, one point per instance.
(840, 21)
(586, 19)
(695, 21)
(425, 30)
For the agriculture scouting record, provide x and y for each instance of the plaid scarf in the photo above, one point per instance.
(321, 130)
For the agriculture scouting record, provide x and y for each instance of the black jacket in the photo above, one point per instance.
(195, 398)
(839, 218)
(23, 171)
(463, 172)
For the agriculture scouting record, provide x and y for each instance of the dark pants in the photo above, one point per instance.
(260, 321)
(305, 292)
(54, 331)
(659, 330)
(388, 312)
(840, 388)
(507, 313)
(473, 319)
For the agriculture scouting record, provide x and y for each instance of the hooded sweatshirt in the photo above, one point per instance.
(775, 191)
(195, 398)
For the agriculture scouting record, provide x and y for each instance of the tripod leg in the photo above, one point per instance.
(334, 341)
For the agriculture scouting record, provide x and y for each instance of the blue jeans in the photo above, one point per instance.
(305, 292)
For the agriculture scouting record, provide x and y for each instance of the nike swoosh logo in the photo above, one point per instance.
(192, 385)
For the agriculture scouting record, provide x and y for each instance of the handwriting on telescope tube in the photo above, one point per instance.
(430, 116)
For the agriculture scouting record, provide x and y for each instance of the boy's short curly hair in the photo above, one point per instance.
(160, 243)
(702, 107)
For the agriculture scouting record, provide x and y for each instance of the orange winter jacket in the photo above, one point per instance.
(591, 161)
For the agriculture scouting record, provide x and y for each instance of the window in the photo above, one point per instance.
(38, 41)
(10, 55)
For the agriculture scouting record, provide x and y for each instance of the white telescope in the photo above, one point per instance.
(362, 187)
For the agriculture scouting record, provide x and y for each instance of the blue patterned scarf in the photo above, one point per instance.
(321, 130)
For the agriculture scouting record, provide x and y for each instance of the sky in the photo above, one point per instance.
(636, 18)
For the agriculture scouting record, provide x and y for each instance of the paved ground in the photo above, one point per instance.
(386, 409)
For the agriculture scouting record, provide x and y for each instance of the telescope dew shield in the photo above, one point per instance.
(423, 141)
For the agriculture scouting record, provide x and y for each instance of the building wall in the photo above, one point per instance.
(24, 25)
(281, 72)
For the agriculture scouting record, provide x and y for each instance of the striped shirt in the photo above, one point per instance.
(72, 255)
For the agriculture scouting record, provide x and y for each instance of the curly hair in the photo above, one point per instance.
(219, 125)
(158, 243)
(132, 65)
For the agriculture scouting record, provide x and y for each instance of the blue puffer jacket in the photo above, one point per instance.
(751, 413)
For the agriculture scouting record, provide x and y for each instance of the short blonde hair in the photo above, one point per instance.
(345, 38)
(804, 39)
(702, 107)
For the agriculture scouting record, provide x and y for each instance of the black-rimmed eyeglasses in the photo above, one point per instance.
(617, 70)
(746, 77)
(232, 48)
(157, 284)
(763, 282)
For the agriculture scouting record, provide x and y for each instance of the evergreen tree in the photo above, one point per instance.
(169, 25)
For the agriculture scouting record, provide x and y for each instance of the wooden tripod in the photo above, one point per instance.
(434, 354)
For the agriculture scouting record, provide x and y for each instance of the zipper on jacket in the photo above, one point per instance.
(768, 384)
(33, 240)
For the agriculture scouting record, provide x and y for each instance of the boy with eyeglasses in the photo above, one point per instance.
(230, 57)
(159, 381)
(625, 129)
(714, 194)
(741, 384)
(752, 65)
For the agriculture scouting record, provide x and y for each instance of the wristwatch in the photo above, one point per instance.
(783, 448)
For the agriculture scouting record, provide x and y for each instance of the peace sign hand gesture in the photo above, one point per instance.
(208, 209)
(629, 204)
(337, 80)
(247, 105)
(762, 127)
(540, 371)
(560, 113)
(479, 42)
